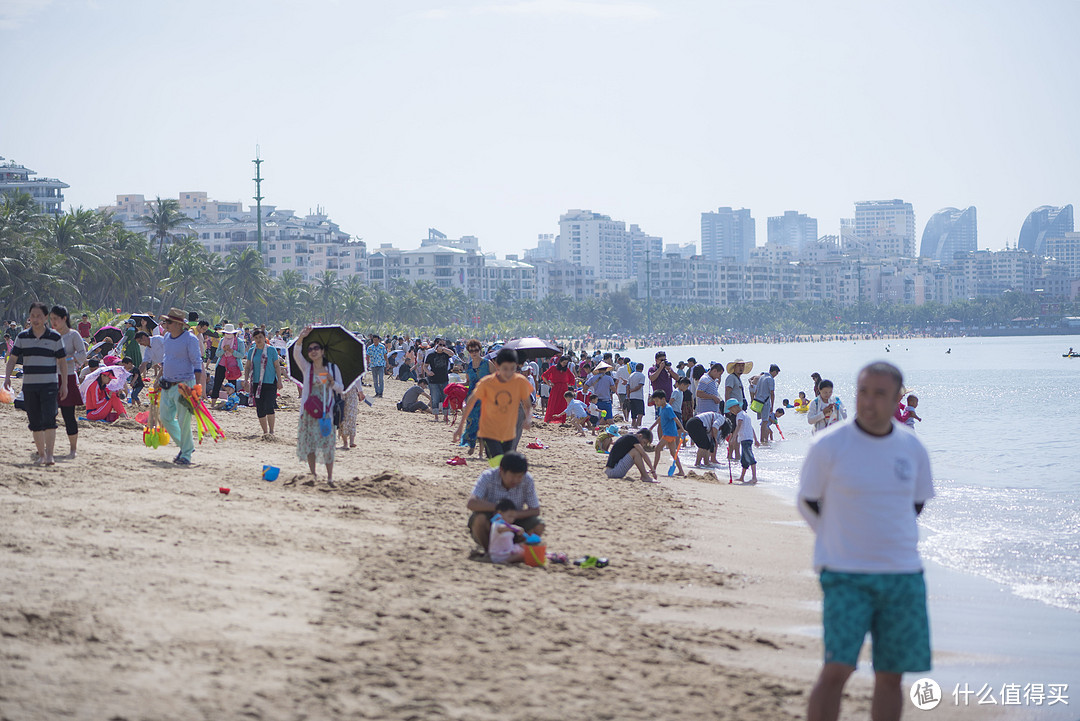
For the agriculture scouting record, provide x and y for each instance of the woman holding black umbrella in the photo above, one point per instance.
(315, 435)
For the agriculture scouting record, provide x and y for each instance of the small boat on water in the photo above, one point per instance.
(1070, 354)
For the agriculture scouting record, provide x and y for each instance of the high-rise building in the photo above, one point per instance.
(594, 241)
(793, 230)
(1067, 250)
(888, 226)
(642, 246)
(950, 231)
(544, 250)
(46, 192)
(1045, 222)
(727, 235)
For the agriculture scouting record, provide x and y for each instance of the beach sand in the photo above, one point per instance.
(132, 589)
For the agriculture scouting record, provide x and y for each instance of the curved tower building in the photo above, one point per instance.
(949, 231)
(1044, 222)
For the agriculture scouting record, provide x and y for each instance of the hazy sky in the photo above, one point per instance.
(492, 117)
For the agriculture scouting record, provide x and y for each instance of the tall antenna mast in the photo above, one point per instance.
(258, 196)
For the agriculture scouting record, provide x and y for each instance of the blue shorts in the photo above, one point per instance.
(891, 607)
(746, 458)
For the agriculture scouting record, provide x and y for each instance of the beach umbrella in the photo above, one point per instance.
(144, 317)
(108, 331)
(529, 348)
(340, 347)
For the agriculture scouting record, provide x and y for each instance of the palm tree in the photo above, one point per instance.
(356, 298)
(189, 273)
(245, 280)
(327, 290)
(382, 306)
(165, 216)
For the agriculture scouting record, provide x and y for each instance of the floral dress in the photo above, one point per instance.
(309, 439)
(352, 409)
(472, 423)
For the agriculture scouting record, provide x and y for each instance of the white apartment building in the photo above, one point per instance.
(641, 245)
(46, 192)
(728, 234)
(594, 241)
(1066, 250)
(544, 250)
(507, 278)
(310, 245)
(563, 279)
(446, 267)
(465, 242)
(792, 230)
(888, 226)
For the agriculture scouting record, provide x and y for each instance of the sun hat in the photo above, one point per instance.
(732, 403)
(230, 328)
(747, 365)
(602, 366)
(175, 314)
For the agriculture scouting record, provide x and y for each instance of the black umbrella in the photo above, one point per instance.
(529, 348)
(149, 319)
(107, 331)
(340, 347)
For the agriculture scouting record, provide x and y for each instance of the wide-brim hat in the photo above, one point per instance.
(602, 366)
(747, 365)
(229, 328)
(175, 314)
(732, 403)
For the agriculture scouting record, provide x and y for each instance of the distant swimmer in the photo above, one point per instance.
(948, 351)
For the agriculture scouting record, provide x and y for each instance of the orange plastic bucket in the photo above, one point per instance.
(536, 555)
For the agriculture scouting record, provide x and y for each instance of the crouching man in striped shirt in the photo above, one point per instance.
(511, 480)
(41, 352)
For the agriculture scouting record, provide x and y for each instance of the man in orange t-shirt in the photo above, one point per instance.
(501, 393)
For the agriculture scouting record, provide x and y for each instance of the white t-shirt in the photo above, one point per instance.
(636, 378)
(501, 541)
(910, 422)
(867, 487)
(576, 409)
(746, 430)
(711, 419)
(622, 375)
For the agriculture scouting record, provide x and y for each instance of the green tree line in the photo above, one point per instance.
(87, 261)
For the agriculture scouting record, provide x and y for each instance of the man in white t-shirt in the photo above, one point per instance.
(861, 487)
(635, 395)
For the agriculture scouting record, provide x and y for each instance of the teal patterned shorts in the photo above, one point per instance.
(891, 607)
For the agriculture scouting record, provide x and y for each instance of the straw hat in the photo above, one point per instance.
(230, 328)
(602, 366)
(747, 365)
(175, 314)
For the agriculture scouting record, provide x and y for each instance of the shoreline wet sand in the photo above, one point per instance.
(133, 589)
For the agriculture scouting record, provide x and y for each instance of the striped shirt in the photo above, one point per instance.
(708, 384)
(38, 357)
(489, 488)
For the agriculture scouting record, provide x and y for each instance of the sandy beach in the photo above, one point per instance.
(132, 589)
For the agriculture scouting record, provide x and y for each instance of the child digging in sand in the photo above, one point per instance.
(502, 545)
(670, 430)
(577, 414)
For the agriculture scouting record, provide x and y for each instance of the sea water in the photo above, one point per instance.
(1001, 421)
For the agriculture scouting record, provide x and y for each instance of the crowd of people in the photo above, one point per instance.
(865, 551)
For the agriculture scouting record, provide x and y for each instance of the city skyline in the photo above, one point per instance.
(468, 117)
